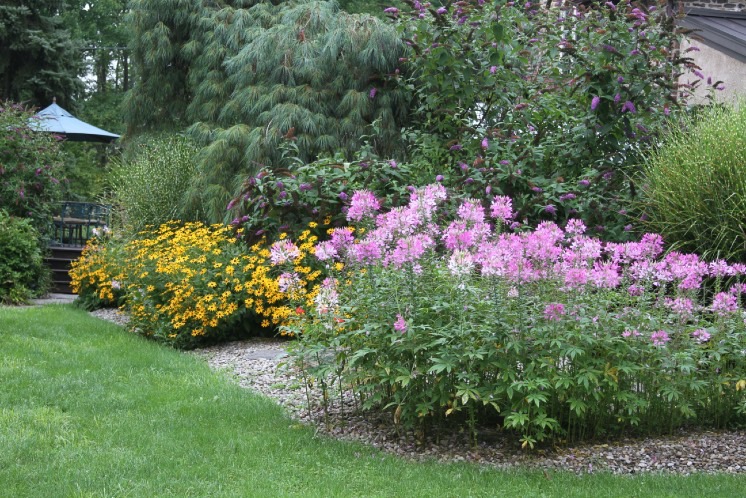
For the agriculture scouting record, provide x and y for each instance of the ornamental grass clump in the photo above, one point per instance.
(549, 333)
(694, 186)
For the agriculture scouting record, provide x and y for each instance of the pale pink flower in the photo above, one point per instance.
(659, 338)
(283, 251)
(400, 325)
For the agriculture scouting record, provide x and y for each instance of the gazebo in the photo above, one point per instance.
(75, 222)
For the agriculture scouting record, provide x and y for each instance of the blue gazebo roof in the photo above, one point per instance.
(55, 119)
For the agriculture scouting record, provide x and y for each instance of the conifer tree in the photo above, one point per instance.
(247, 75)
(39, 60)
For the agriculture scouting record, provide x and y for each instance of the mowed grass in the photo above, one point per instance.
(87, 409)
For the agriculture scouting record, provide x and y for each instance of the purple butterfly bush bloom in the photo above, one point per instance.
(456, 147)
(391, 10)
(439, 178)
(595, 101)
(343, 196)
(617, 98)
(393, 164)
(629, 107)
(372, 93)
(463, 166)
(551, 209)
(493, 69)
(304, 187)
(485, 143)
(584, 182)
(441, 11)
(567, 197)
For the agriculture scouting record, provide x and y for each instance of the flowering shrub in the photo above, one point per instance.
(550, 331)
(30, 167)
(551, 106)
(287, 199)
(97, 276)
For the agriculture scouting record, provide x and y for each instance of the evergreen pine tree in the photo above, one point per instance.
(248, 74)
(39, 59)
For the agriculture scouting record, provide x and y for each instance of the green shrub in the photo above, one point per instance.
(286, 199)
(148, 185)
(22, 271)
(695, 186)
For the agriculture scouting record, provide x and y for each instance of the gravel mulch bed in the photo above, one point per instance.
(262, 365)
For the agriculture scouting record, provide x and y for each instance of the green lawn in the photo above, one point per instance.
(87, 409)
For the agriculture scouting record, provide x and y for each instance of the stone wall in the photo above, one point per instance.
(725, 5)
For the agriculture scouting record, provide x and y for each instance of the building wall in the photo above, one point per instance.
(720, 67)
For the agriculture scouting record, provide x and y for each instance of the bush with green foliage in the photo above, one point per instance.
(23, 274)
(285, 199)
(148, 184)
(30, 167)
(552, 107)
(694, 186)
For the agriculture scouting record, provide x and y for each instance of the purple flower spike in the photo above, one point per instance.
(441, 11)
(372, 93)
(456, 147)
(551, 209)
(343, 196)
(493, 69)
(439, 178)
(595, 101)
(629, 107)
(391, 10)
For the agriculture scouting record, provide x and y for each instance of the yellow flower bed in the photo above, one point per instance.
(96, 276)
(188, 282)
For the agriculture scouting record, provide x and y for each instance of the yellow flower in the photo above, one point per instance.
(212, 285)
(283, 235)
(313, 224)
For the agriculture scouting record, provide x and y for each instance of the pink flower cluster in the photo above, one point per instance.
(567, 259)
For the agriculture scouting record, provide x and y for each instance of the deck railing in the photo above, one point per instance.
(76, 222)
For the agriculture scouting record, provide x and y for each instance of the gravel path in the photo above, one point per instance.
(261, 365)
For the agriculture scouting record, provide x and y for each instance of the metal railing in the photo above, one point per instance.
(76, 222)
